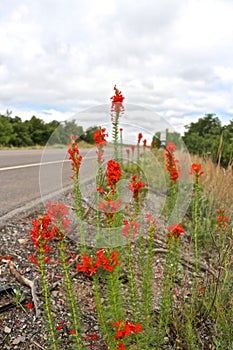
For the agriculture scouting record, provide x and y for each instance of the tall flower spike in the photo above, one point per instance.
(113, 173)
(100, 141)
(75, 157)
(118, 97)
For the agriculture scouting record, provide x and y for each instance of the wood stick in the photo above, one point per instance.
(28, 283)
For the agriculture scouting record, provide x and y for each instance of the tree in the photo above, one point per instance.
(6, 130)
(208, 137)
(88, 136)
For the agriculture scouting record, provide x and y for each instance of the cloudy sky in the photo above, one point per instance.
(60, 57)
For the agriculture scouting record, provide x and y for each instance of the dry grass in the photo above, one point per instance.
(217, 182)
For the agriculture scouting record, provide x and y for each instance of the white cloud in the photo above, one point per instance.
(173, 56)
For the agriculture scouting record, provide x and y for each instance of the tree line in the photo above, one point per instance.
(207, 137)
(17, 133)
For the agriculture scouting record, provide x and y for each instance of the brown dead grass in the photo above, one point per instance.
(217, 182)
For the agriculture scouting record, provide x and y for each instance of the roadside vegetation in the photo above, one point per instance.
(159, 259)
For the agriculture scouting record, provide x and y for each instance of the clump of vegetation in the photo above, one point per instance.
(191, 305)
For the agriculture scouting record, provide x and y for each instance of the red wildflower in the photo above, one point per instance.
(110, 208)
(222, 219)
(75, 157)
(140, 136)
(174, 173)
(171, 162)
(135, 186)
(175, 231)
(132, 148)
(130, 228)
(144, 143)
(93, 336)
(121, 346)
(107, 260)
(113, 173)
(100, 141)
(121, 129)
(29, 306)
(41, 233)
(118, 97)
(171, 147)
(125, 329)
(88, 266)
(100, 137)
(58, 212)
(72, 331)
(33, 259)
(195, 170)
(127, 151)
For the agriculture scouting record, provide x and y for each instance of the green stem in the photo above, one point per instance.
(115, 134)
(147, 285)
(132, 282)
(72, 304)
(46, 299)
(196, 225)
(101, 316)
(79, 213)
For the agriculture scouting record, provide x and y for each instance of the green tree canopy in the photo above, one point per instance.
(207, 137)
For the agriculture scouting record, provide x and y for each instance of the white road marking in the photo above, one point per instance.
(33, 164)
(42, 163)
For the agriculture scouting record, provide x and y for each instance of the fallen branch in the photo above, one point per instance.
(28, 283)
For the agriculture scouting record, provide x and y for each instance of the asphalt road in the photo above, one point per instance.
(31, 175)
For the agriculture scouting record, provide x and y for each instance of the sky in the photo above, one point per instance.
(172, 58)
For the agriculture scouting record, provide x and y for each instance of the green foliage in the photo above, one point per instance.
(88, 136)
(207, 137)
(17, 133)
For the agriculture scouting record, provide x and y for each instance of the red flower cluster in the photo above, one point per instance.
(113, 173)
(106, 259)
(171, 162)
(41, 233)
(140, 136)
(195, 170)
(135, 186)
(110, 208)
(175, 231)
(171, 147)
(118, 97)
(144, 143)
(75, 157)
(100, 141)
(88, 266)
(130, 227)
(117, 103)
(100, 137)
(127, 151)
(222, 219)
(54, 223)
(133, 148)
(126, 329)
(151, 225)
(93, 336)
(58, 212)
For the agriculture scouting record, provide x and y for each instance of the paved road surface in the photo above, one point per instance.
(20, 176)
(27, 175)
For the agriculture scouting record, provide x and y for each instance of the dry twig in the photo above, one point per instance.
(28, 283)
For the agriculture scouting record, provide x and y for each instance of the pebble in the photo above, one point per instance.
(18, 340)
(7, 330)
